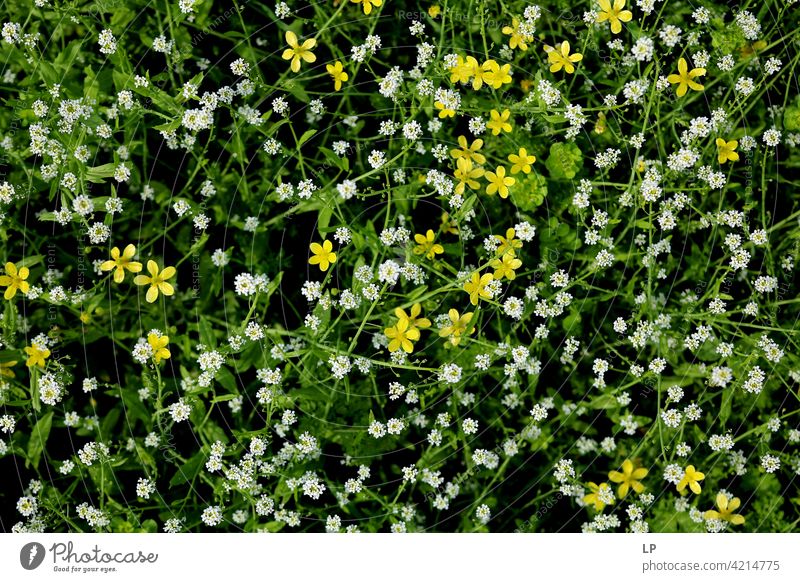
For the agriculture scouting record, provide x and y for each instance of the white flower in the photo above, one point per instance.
(179, 411)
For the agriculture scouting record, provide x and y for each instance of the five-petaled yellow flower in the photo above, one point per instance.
(459, 326)
(629, 478)
(598, 492)
(495, 75)
(691, 478)
(499, 182)
(464, 70)
(298, 52)
(476, 287)
(522, 161)
(336, 70)
(157, 281)
(499, 121)
(14, 280)
(36, 355)
(414, 319)
(367, 4)
(614, 14)
(467, 175)
(120, 262)
(401, 335)
(726, 150)
(505, 267)
(508, 244)
(469, 152)
(518, 38)
(427, 245)
(685, 78)
(560, 58)
(159, 346)
(725, 510)
(323, 255)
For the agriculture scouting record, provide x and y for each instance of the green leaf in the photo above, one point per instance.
(604, 401)
(727, 405)
(39, 436)
(334, 160)
(206, 333)
(529, 192)
(227, 380)
(98, 174)
(791, 118)
(30, 261)
(565, 161)
(324, 219)
(188, 471)
(305, 137)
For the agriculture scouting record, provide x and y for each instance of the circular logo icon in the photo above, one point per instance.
(31, 555)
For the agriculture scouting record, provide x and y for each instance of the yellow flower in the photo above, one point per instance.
(464, 70)
(434, 11)
(629, 478)
(427, 246)
(5, 369)
(685, 78)
(157, 281)
(600, 124)
(367, 4)
(159, 345)
(414, 320)
(121, 262)
(466, 175)
(458, 327)
(495, 75)
(323, 255)
(444, 111)
(751, 49)
(692, 478)
(15, 280)
(508, 244)
(726, 150)
(596, 495)
(517, 40)
(522, 161)
(401, 336)
(448, 225)
(336, 71)
(726, 509)
(476, 287)
(499, 122)
(614, 14)
(36, 355)
(461, 73)
(560, 58)
(505, 267)
(298, 52)
(499, 182)
(469, 152)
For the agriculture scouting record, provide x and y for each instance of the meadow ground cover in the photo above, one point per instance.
(380, 266)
